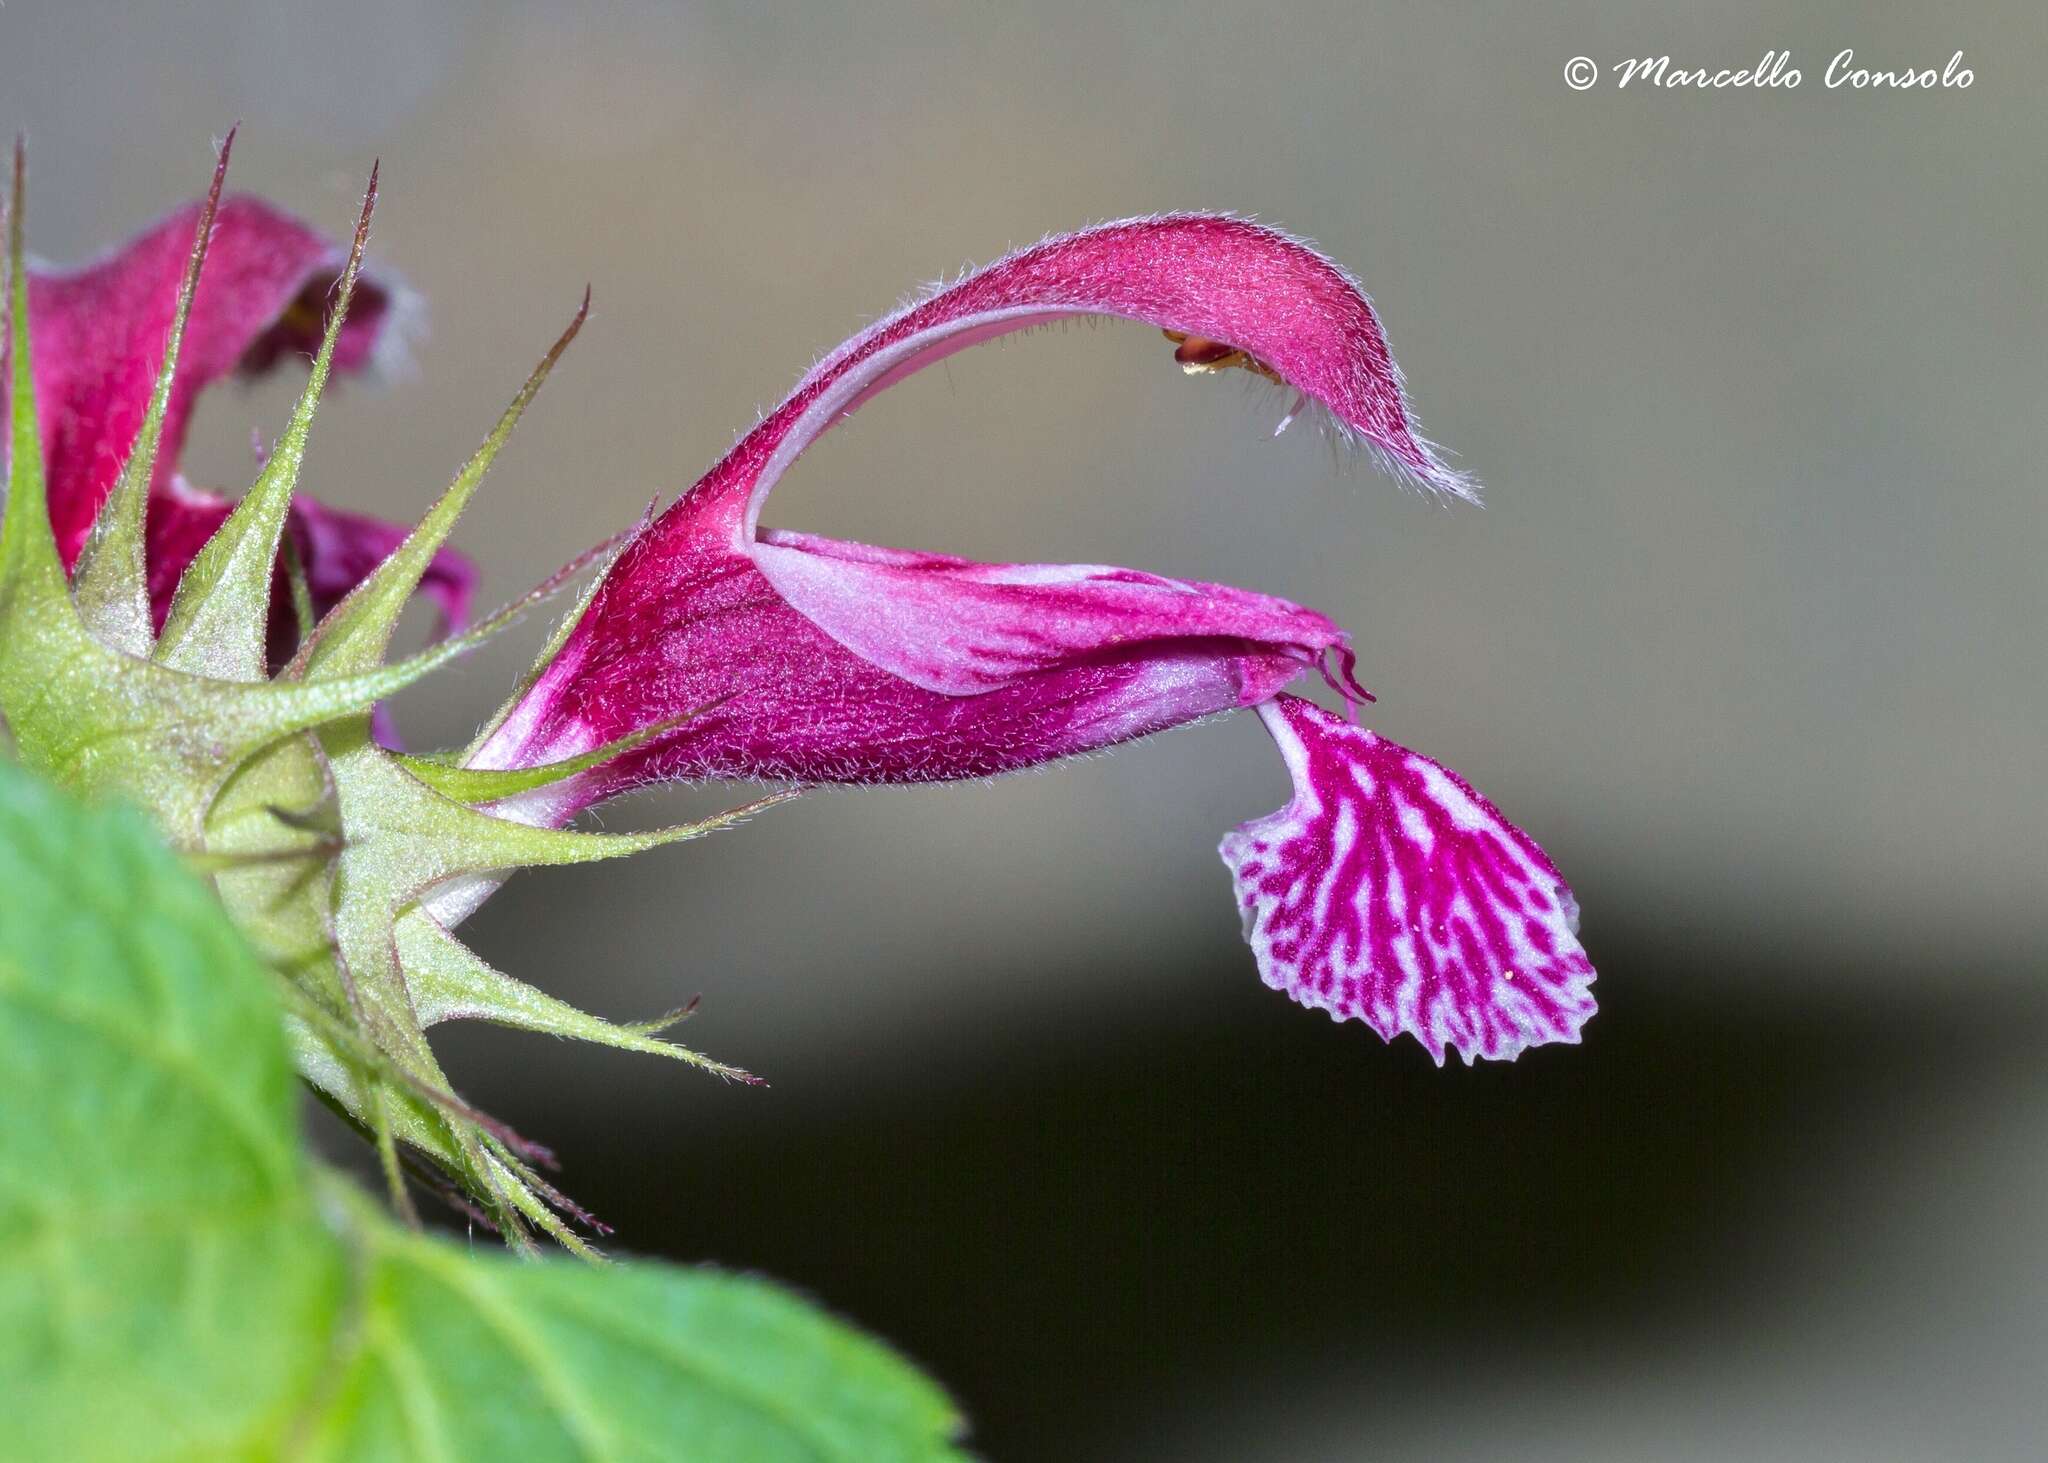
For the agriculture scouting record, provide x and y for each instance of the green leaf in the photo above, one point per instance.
(176, 1283)
(164, 1289)
(492, 1357)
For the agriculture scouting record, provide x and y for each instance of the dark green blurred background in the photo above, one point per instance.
(1749, 636)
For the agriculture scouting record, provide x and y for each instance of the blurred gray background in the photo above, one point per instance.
(1749, 636)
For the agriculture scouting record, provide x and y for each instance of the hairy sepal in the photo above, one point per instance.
(219, 617)
(475, 785)
(320, 842)
(357, 631)
(110, 581)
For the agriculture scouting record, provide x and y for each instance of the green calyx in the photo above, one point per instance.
(323, 846)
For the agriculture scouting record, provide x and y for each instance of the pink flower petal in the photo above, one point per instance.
(819, 645)
(100, 333)
(1225, 281)
(784, 698)
(1390, 891)
(961, 628)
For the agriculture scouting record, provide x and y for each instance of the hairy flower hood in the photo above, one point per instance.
(815, 660)
(101, 331)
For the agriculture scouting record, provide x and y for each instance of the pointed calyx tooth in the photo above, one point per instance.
(450, 982)
(219, 618)
(443, 839)
(357, 631)
(110, 581)
(321, 843)
(489, 785)
(301, 675)
(29, 564)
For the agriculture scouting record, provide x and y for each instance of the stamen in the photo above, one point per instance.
(1200, 356)
(1343, 681)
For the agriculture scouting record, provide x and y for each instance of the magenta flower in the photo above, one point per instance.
(100, 333)
(1388, 890)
